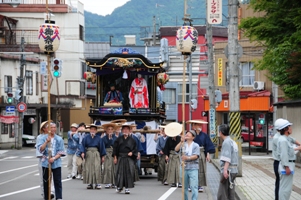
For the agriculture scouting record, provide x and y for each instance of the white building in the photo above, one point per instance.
(68, 91)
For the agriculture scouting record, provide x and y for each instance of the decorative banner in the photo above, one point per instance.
(44, 82)
(214, 11)
(187, 39)
(9, 119)
(220, 72)
(49, 39)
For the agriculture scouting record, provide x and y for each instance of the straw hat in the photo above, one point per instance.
(196, 121)
(43, 124)
(173, 129)
(74, 125)
(119, 121)
(105, 126)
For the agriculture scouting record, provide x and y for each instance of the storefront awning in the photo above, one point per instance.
(249, 102)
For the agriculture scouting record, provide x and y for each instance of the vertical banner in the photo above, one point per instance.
(220, 72)
(214, 11)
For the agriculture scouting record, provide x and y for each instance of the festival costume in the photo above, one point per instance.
(162, 168)
(109, 166)
(139, 94)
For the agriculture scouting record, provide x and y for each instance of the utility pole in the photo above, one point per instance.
(20, 82)
(234, 114)
(154, 30)
(211, 88)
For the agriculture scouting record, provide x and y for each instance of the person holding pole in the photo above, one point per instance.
(43, 132)
(206, 147)
(71, 150)
(58, 150)
(190, 157)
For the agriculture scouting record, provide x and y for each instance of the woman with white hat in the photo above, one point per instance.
(71, 150)
(109, 167)
(93, 152)
(287, 157)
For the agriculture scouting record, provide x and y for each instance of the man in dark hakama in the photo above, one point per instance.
(140, 151)
(125, 154)
(173, 159)
(93, 152)
(109, 167)
(162, 168)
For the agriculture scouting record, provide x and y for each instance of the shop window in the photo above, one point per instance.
(81, 32)
(193, 90)
(8, 83)
(247, 74)
(29, 82)
(169, 96)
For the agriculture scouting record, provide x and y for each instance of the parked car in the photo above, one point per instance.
(28, 140)
(245, 134)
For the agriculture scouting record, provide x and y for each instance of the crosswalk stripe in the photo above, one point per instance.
(28, 157)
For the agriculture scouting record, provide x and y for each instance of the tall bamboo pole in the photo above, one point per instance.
(49, 115)
(183, 123)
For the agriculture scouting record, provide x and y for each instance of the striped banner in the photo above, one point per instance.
(235, 125)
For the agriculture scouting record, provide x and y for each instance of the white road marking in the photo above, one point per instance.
(12, 170)
(166, 194)
(3, 151)
(37, 174)
(28, 157)
(10, 157)
(25, 190)
(246, 157)
(18, 177)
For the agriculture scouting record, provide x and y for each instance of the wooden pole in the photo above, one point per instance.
(183, 123)
(49, 115)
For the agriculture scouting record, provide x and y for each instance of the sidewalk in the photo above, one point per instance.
(258, 179)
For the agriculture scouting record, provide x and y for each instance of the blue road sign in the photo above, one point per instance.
(10, 108)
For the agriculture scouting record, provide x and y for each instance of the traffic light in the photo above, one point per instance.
(261, 119)
(57, 68)
(10, 97)
(19, 94)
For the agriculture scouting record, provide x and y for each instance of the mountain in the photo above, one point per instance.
(136, 18)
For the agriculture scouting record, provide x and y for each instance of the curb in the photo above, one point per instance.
(239, 195)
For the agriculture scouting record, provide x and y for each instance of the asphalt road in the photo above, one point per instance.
(19, 179)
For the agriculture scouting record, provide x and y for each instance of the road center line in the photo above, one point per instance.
(166, 194)
(25, 190)
(17, 177)
(12, 170)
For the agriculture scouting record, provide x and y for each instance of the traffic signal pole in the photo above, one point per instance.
(20, 82)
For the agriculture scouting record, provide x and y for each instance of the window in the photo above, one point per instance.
(169, 96)
(247, 74)
(81, 32)
(8, 84)
(29, 83)
(193, 90)
(8, 129)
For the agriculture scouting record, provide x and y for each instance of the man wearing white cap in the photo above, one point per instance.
(43, 131)
(71, 149)
(276, 157)
(287, 157)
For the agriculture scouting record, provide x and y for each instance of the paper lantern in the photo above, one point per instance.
(187, 39)
(49, 37)
(162, 79)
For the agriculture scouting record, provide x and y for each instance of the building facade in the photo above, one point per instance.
(68, 91)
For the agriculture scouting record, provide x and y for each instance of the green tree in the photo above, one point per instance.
(278, 29)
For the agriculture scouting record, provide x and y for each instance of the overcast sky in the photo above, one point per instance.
(102, 7)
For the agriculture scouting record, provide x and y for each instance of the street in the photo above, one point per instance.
(19, 179)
